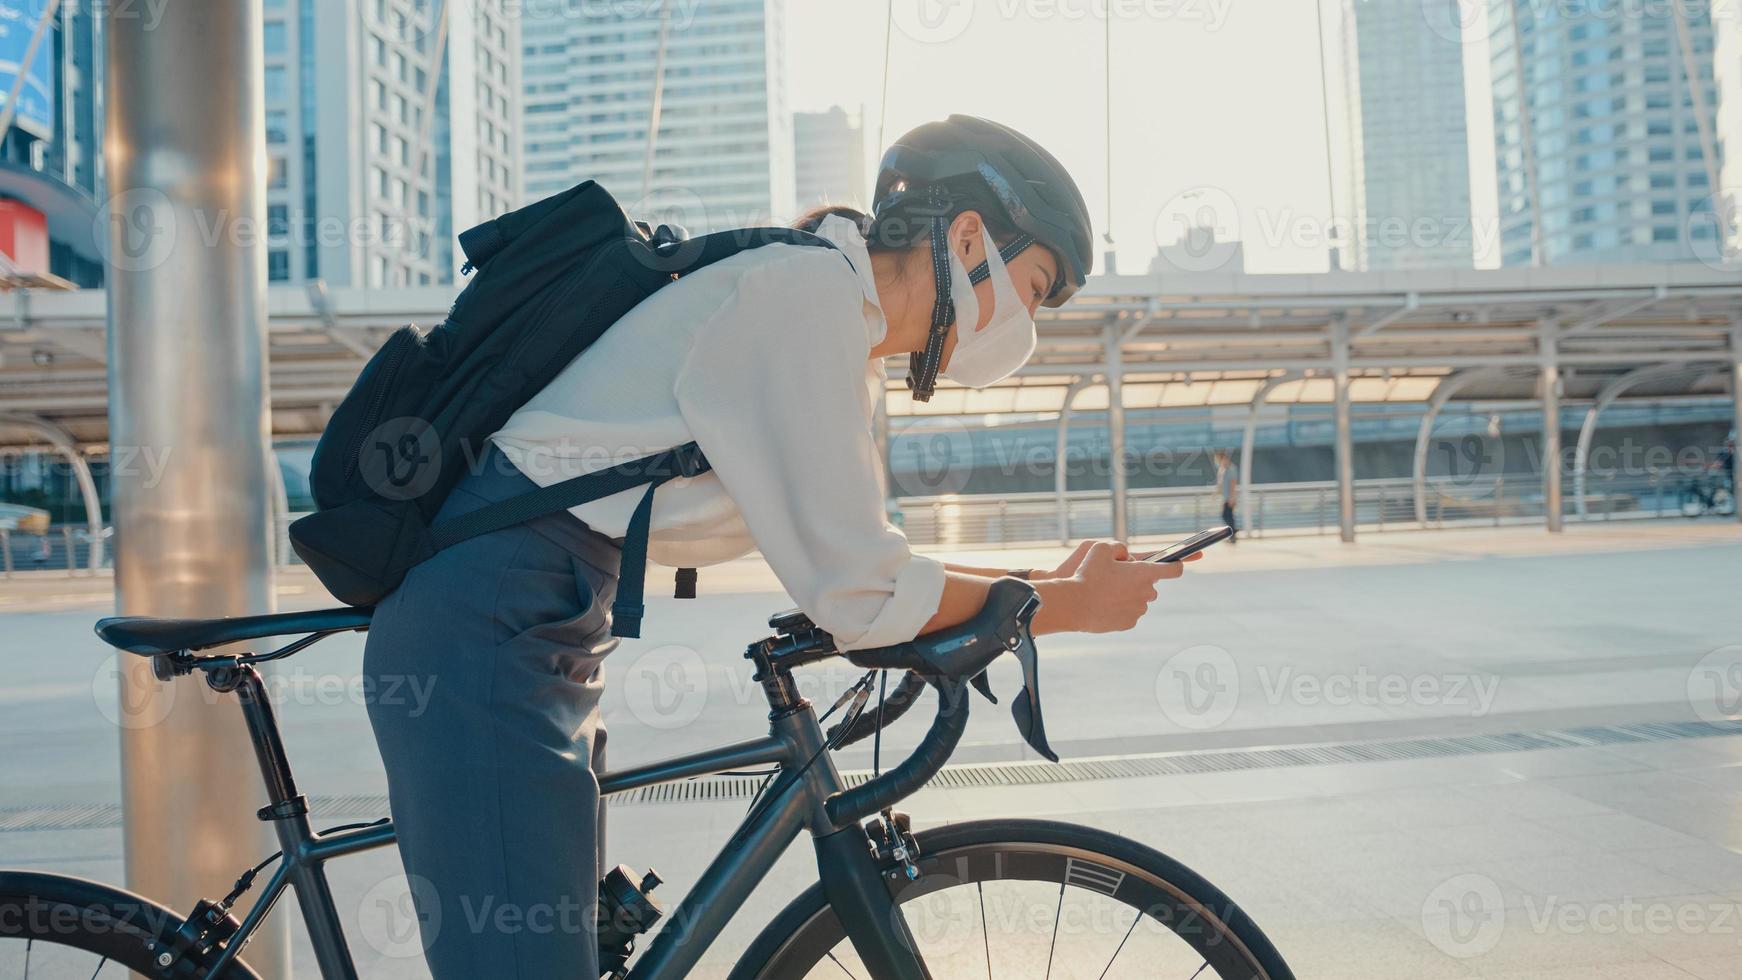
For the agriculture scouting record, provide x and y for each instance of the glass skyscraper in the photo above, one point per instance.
(1600, 93)
(724, 151)
(1408, 152)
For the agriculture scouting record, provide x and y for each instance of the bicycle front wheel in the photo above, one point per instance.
(1033, 898)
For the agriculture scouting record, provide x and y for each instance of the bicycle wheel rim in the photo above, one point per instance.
(58, 924)
(1222, 940)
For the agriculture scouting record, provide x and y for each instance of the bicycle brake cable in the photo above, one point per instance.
(877, 735)
(858, 693)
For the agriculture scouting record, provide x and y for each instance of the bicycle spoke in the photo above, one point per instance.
(1200, 969)
(104, 962)
(985, 934)
(1138, 918)
(838, 963)
(1056, 913)
(27, 944)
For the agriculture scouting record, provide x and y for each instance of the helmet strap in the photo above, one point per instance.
(923, 366)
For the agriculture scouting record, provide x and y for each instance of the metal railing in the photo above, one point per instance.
(973, 520)
(1283, 508)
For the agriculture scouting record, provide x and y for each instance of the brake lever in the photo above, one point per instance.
(1025, 709)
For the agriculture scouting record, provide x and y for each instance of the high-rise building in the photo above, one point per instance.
(1600, 95)
(1408, 153)
(723, 155)
(390, 126)
(1726, 199)
(829, 158)
(51, 157)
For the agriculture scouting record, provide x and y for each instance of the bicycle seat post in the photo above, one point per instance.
(284, 802)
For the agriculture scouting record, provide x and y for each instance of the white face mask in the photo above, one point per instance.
(987, 356)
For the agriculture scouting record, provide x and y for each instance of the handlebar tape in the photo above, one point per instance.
(916, 770)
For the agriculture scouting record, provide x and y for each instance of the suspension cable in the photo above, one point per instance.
(1325, 110)
(1107, 108)
(883, 100)
(654, 109)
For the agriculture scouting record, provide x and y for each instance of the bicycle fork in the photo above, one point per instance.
(853, 882)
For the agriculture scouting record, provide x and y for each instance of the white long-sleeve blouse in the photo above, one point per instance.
(763, 359)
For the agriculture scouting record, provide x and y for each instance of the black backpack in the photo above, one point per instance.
(551, 278)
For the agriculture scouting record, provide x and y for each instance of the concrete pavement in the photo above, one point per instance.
(1357, 869)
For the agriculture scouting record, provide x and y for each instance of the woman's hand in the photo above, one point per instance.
(1100, 588)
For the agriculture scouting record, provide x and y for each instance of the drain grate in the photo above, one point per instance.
(96, 816)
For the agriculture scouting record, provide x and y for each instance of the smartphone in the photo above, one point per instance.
(1192, 545)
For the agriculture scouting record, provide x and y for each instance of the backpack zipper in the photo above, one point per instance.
(378, 397)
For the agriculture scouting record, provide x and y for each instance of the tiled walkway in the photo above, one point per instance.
(1619, 861)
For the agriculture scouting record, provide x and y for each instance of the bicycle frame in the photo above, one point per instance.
(794, 802)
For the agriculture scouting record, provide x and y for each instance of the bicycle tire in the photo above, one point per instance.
(108, 923)
(803, 936)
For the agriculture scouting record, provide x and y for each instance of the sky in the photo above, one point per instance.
(1216, 104)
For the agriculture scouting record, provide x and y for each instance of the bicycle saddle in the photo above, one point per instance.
(150, 637)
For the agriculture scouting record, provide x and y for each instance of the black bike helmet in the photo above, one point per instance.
(1036, 192)
(926, 171)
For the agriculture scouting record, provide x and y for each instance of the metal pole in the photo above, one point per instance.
(1251, 431)
(1736, 411)
(1061, 474)
(1345, 443)
(66, 445)
(1116, 426)
(186, 152)
(1551, 428)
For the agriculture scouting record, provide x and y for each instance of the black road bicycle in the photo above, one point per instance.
(989, 898)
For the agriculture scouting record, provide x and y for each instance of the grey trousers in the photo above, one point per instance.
(491, 778)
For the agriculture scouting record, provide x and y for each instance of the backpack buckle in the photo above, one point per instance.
(689, 460)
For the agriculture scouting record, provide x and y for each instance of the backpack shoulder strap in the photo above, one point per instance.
(649, 471)
(695, 253)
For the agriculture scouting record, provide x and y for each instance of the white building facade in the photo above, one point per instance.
(390, 128)
(723, 155)
(830, 159)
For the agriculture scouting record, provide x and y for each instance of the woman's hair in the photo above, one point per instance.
(813, 219)
(906, 224)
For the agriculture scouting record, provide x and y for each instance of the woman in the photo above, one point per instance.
(771, 360)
